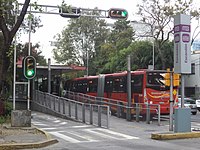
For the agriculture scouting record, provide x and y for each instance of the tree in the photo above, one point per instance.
(159, 15)
(120, 38)
(22, 52)
(9, 30)
(82, 36)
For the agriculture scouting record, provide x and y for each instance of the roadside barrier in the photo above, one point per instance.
(94, 114)
(139, 111)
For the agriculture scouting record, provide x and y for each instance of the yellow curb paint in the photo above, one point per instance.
(171, 136)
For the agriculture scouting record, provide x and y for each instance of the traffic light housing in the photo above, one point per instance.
(167, 79)
(117, 13)
(29, 67)
(69, 12)
(176, 79)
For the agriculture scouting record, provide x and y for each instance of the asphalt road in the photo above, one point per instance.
(122, 135)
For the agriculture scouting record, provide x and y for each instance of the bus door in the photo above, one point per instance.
(137, 88)
(108, 87)
(119, 88)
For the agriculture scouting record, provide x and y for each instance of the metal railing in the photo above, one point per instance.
(119, 108)
(94, 114)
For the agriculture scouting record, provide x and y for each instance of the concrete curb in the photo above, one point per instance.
(172, 136)
(47, 142)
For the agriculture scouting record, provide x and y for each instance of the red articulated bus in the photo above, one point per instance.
(147, 87)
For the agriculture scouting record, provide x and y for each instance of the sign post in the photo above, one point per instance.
(182, 65)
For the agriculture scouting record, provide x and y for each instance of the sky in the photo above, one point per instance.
(54, 24)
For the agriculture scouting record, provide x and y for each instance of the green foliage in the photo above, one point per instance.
(7, 114)
(2, 119)
(159, 14)
(8, 108)
(5, 119)
(83, 35)
(119, 39)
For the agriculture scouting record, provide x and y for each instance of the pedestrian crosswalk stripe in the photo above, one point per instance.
(63, 123)
(64, 137)
(39, 124)
(48, 128)
(88, 138)
(112, 134)
(84, 126)
(56, 121)
(118, 134)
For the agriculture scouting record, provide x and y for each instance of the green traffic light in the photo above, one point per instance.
(30, 73)
(29, 67)
(124, 13)
(117, 13)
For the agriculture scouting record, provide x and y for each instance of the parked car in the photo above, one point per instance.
(189, 103)
(198, 104)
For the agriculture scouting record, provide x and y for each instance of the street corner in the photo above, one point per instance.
(172, 135)
(27, 140)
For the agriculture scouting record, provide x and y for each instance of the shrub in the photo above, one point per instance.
(8, 108)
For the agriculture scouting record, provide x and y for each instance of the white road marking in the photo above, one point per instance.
(63, 123)
(48, 128)
(64, 137)
(118, 134)
(39, 124)
(84, 126)
(110, 132)
(56, 121)
(88, 138)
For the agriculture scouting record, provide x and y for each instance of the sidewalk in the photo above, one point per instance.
(23, 137)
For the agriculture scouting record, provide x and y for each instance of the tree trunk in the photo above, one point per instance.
(4, 65)
(8, 35)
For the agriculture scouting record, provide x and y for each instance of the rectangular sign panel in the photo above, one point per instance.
(182, 48)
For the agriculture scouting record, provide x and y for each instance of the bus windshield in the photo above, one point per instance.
(155, 80)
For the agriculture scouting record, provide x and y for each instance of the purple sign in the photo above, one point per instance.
(182, 28)
(186, 38)
(177, 38)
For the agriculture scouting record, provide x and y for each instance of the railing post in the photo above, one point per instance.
(137, 112)
(118, 109)
(76, 111)
(91, 114)
(63, 105)
(99, 115)
(45, 100)
(83, 112)
(147, 114)
(158, 114)
(54, 104)
(108, 117)
(59, 104)
(69, 108)
(50, 101)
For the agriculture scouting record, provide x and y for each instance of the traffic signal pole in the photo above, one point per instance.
(171, 103)
(77, 12)
(29, 52)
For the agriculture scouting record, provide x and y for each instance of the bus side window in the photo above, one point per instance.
(119, 84)
(82, 86)
(92, 85)
(137, 83)
(108, 85)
